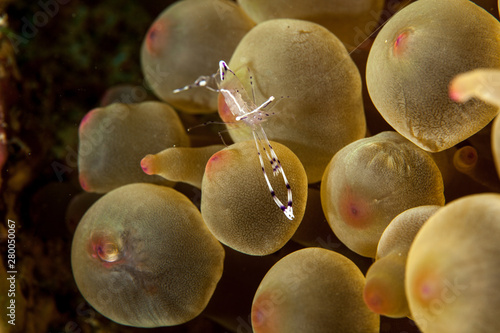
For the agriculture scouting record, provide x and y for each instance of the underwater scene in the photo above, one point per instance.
(239, 166)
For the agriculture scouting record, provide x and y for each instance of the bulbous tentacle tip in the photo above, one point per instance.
(401, 43)
(427, 287)
(155, 36)
(147, 164)
(355, 210)
(465, 159)
(373, 299)
(214, 163)
(480, 83)
(264, 315)
(455, 96)
(456, 92)
(105, 248)
(85, 120)
(83, 182)
(378, 296)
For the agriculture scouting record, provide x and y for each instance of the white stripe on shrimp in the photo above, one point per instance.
(246, 110)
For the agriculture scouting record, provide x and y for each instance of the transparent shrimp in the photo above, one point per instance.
(248, 112)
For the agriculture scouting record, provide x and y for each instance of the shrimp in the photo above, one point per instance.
(246, 111)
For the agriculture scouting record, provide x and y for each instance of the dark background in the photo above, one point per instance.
(53, 76)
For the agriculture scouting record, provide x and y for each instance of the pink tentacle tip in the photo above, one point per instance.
(401, 43)
(374, 301)
(212, 166)
(457, 91)
(85, 119)
(454, 94)
(83, 183)
(146, 165)
(154, 37)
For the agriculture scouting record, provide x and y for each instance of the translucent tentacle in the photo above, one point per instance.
(483, 83)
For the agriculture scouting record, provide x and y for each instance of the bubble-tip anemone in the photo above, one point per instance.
(372, 180)
(351, 21)
(186, 41)
(322, 107)
(384, 291)
(115, 138)
(180, 164)
(237, 205)
(142, 256)
(453, 268)
(312, 290)
(412, 61)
